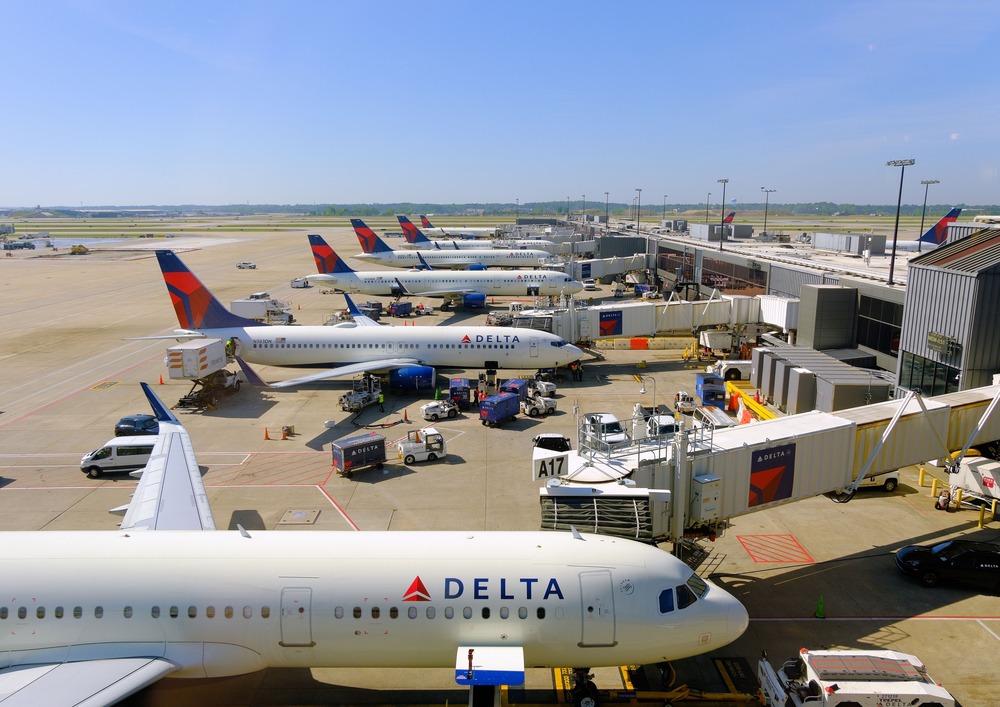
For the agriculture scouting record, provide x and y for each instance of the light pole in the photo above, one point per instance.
(708, 200)
(664, 208)
(584, 209)
(767, 193)
(927, 183)
(722, 223)
(567, 210)
(902, 164)
(638, 207)
(642, 391)
(517, 210)
(605, 211)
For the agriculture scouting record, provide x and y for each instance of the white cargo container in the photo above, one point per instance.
(196, 359)
(776, 462)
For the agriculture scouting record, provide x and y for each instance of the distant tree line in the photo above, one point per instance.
(541, 208)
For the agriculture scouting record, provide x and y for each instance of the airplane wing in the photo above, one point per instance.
(87, 683)
(350, 369)
(170, 494)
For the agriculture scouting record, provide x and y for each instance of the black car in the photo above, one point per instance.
(137, 425)
(962, 561)
(553, 442)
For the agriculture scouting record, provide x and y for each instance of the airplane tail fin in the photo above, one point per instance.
(195, 306)
(729, 218)
(327, 261)
(369, 240)
(424, 223)
(424, 265)
(936, 234)
(411, 232)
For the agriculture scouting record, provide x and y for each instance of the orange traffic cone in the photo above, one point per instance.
(406, 418)
(161, 379)
(284, 435)
(266, 435)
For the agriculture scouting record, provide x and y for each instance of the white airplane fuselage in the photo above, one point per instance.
(217, 603)
(458, 258)
(495, 282)
(478, 245)
(446, 346)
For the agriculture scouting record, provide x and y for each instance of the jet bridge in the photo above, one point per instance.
(693, 483)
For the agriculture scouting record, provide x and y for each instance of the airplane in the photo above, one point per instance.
(933, 237)
(456, 287)
(729, 218)
(410, 354)
(415, 238)
(376, 251)
(456, 231)
(91, 617)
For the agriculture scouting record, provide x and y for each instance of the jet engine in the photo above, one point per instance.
(412, 378)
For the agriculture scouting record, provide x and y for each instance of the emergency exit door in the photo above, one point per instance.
(598, 607)
(296, 621)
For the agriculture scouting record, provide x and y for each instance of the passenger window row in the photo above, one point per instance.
(430, 612)
(173, 612)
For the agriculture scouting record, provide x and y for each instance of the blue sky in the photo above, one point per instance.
(142, 102)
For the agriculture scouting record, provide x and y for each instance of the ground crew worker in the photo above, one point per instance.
(381, 399)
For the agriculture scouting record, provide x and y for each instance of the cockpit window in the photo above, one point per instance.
(685, 597)
(666, 601)
(560, 342)
(698, 585)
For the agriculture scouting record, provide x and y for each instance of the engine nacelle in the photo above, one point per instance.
(412, 378)
(474, 301)
(476, 266)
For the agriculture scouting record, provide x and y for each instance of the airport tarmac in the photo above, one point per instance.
(68, 374)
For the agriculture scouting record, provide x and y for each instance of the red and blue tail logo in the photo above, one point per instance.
(195, 306)
(369, 240)
(411, 232)
(729, 218)
(424, 223)
(327, 261)
(937, 233)
(417, 591)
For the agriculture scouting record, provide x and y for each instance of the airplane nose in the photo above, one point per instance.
(738, 620)
(572, 353)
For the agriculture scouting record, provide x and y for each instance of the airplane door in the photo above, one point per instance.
(296, 624)
(598, 609)
(533, 347)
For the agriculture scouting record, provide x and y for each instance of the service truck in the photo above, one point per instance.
(437, 409)
(203, 362)
(357, 453)
(497, 409)
(858, 678)
(262, 309)
(422, 445)
(535, 405)
(365, 391)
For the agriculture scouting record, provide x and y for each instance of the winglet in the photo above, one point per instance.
(327, 261)
(402, 288)
(160, 411)
(424, 265)
(252, 377)
(369, 240)
(351, 307)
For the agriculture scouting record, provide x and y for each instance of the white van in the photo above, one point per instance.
(119, 454)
